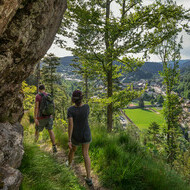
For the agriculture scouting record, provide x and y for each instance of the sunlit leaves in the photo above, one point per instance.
(29, 95)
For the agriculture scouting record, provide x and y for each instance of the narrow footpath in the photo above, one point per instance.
(78, 169)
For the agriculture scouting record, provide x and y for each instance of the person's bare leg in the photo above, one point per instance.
(71, 154)
(36, 135)
(85, 148)
(52, 136)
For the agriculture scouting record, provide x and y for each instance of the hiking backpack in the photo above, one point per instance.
(46, 105)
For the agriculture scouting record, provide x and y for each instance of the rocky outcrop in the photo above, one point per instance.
(11, 153)
(27, 30)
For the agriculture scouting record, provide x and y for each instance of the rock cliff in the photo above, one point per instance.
(27, 30)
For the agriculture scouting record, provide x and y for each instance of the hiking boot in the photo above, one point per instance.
(89, 181)
(54, 148)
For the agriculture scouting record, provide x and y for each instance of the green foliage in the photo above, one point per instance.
(154, 130)
(118, 158)
(29, 95)
(61, 100)
(31, 115)
(172, 109)
(184, 85)
(153, 139)
(60, 131)
(100, 37)
(122, 163)
(160, 100)
(141, 103)
(49, 72)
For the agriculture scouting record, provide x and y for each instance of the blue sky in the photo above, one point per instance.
(185, 52)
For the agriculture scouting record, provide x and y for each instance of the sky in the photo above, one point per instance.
(185, 52)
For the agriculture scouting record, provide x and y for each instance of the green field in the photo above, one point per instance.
(143, 117)
(136, 103)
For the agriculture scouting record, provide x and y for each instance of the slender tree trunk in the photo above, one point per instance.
(109, 70)
(86, 88)
(38, 76)
(52, 81)
(110, 106)
(170, 127)
(63, 112)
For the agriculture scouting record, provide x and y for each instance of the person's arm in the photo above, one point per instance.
(70, 131)
(36, 110)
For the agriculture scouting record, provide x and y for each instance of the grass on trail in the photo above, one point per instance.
(143, 117)
(41, 172)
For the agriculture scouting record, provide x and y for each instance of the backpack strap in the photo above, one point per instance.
(41, 94)
(40, 111)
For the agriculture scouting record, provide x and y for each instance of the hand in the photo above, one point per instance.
(36, 122)
(70, 145)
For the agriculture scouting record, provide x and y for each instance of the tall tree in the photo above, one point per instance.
(86, 73)
(49, 72)
(103, 35)
(169, 53)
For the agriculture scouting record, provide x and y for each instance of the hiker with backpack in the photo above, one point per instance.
(79, 131)
(43, 115)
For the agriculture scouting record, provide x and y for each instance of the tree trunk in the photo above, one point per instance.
(38, 76)
(51, 82)
(86, 88)
(109, 70)
(110, 106)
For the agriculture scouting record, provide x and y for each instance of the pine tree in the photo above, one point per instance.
(172, 109)
(49, 72)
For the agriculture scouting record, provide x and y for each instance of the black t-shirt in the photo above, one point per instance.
(81, 130)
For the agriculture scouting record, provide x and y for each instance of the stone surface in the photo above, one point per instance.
(11, 178)
(11, 153)
(11, 150)
(7, 11)
(27, 30)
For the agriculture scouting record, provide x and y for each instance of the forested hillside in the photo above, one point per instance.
(147, 71)
(184, 86)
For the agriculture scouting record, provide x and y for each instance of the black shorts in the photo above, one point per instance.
(76, 143)
(47, 123)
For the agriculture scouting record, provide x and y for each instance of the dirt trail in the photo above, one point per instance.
(78, 169)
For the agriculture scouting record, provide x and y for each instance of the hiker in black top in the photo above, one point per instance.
(79, 130)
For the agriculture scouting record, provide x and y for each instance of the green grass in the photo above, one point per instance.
(122, 163)
(136, 103)
(143, 117)
(40, 170)
(147, 103)
(118, 159)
